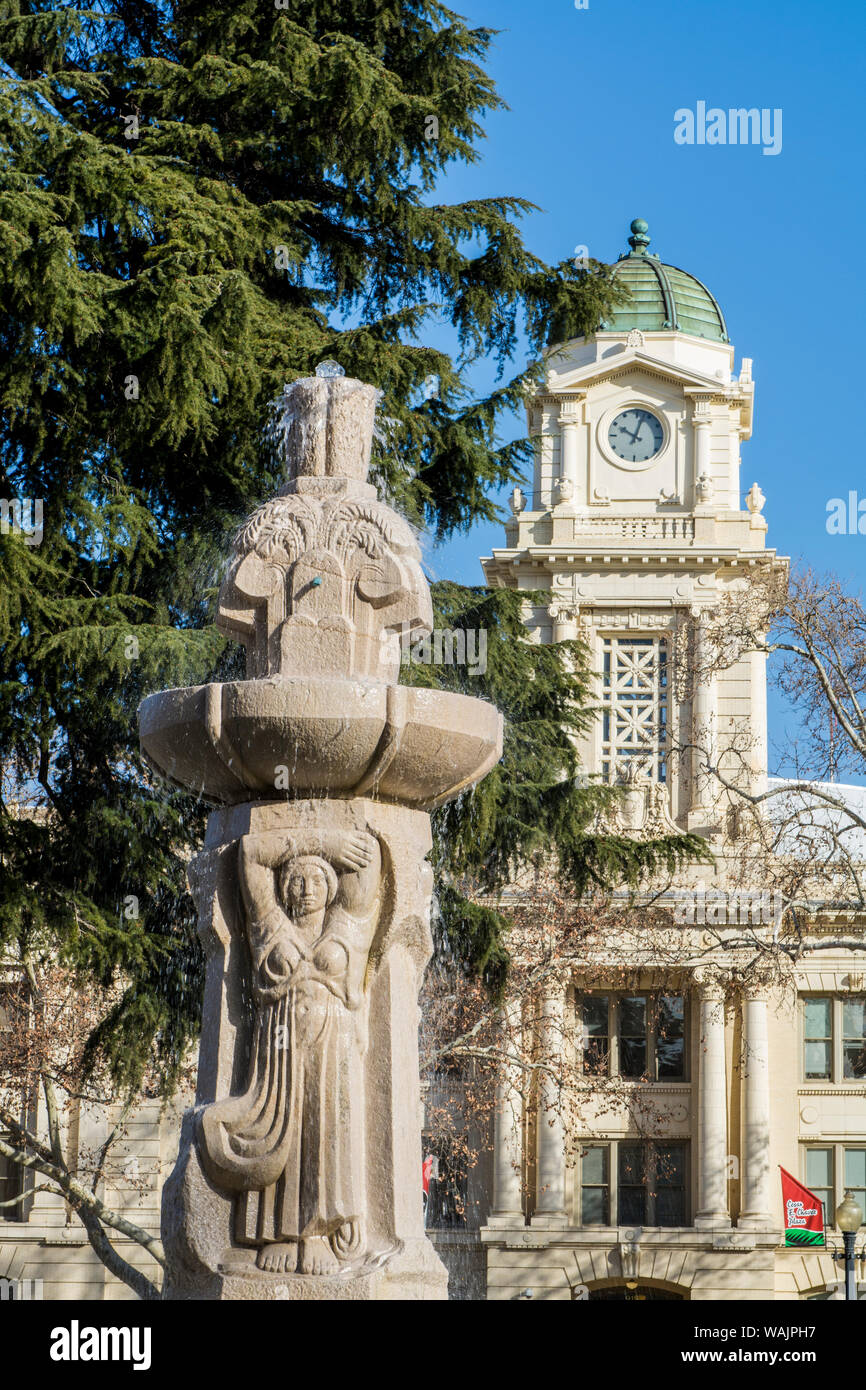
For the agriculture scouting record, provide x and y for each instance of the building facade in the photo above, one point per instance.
(638, 527)
(44, 1250)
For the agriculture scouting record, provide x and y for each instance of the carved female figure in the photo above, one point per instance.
(292, 1144)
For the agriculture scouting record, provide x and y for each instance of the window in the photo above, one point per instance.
(594, 1186)
(854, 1175)
(819, 1179)
(596, 1034)
(634, 707)
(834, 1038)
(11, 1185)
(854, 1039)
(635, 1036)
(633, 1183)
(818, 1039)
(831, 1170)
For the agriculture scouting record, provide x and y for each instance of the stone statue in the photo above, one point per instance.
(299, 1172)
(704, 490)
(311, 905)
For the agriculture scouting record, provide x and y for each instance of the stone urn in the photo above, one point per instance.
(299, 1172)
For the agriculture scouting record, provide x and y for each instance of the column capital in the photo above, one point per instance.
(567, 612)
(569, 408)
(700, 615)
(712, 981)
(757, 987)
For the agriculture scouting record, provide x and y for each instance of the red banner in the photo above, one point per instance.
(804, 1213)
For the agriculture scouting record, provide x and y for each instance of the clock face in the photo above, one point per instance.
(636, 435)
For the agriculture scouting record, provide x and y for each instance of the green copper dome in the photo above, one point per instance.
(662, 296)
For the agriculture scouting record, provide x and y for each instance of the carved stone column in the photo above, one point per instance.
(550, 1150)
(758, 719)
(703, 731)
(701, 421)
(569, 424)
(712, 1101)
(756, 1202)
(508, 1126)
(563, 616)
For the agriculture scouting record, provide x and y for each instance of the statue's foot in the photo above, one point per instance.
(317, 1257)
(278, 1258)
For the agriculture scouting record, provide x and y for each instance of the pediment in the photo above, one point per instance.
(631, 360)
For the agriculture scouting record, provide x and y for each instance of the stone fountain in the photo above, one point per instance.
(299, 1172)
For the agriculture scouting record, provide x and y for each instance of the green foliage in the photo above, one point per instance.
(198, 202)
(535, 804)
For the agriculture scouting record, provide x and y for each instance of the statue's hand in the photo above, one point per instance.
(354, 851)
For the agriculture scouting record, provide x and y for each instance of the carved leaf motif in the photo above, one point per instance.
(368, 526)
(282, 530)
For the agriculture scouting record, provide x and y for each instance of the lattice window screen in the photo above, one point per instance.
(635, 707)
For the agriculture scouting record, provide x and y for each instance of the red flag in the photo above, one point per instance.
(426, 1174)
(804, 1212)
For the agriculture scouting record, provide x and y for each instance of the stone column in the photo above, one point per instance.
(758, 719)
(508, 1126)
(550, 1151)
(564, 620)
(701, 421)
(712, 1102)
(755, 1204)
(569, 424)
(736, 434)
(703, 726)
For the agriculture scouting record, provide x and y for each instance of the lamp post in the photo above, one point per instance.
(849, 1219)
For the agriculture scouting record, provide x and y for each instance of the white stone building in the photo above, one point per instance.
(636, 523)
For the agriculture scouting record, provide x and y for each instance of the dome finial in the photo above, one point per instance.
(639, 240)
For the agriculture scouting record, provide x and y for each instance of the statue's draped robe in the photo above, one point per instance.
(291, 1142)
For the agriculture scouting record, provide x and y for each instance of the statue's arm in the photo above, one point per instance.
(361, 871)
(259, 856)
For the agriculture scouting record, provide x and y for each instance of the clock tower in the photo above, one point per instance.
(638, 527)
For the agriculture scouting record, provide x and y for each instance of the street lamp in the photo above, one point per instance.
(849, 1219)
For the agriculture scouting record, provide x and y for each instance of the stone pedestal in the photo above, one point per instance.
(211, 1235)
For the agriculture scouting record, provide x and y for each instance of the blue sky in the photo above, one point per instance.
(777, 238)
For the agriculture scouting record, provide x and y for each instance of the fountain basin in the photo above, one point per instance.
(243, 740)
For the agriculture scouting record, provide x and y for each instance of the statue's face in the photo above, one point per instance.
(307, 890)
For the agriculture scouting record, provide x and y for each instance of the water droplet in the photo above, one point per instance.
(329, 368)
